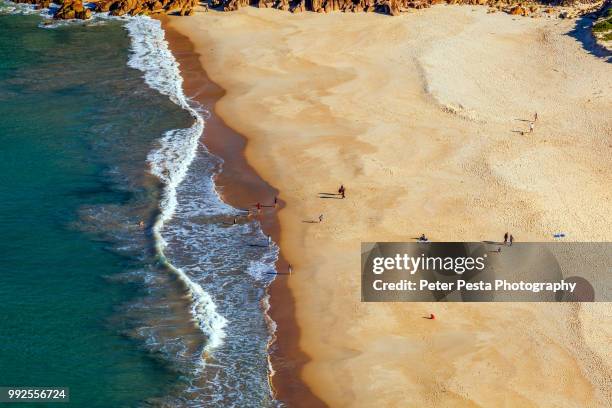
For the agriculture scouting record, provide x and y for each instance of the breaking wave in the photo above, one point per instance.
(170, 162)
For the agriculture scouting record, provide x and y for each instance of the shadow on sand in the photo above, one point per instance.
(582, 33)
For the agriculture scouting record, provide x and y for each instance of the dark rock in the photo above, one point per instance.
(72, 9)
(75, 9)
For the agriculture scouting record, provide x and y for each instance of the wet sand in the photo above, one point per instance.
(423, 118)
(240, 186)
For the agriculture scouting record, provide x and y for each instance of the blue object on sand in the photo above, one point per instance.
(559, 235)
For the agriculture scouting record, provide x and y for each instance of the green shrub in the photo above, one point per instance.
(604, 25)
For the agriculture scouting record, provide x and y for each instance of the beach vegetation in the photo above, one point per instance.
(604, 25)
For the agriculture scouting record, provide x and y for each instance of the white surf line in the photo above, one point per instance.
(178, 147)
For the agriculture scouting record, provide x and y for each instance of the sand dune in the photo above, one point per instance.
(420, 117)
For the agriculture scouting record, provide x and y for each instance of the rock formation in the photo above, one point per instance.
(136, 7)
(72, 9)
(75, 8)
(395, 7)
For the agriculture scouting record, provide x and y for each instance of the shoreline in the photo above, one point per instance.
(374, 103)
(423, 118)
(239, 185)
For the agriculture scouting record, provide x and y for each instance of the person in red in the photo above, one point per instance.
(432, 316)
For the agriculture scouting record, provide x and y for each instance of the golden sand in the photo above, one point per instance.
(422, 118)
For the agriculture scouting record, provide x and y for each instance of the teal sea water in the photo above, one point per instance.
(76, 124)
(123, 275)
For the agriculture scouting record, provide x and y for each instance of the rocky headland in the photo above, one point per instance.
(71, 9)
(77, 9)
(395, 7)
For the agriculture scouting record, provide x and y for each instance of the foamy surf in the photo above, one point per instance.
(170, 162)
(7, 7)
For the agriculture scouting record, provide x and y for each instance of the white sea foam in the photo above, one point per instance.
(170, 162)
(8, 7)
(272, 330)
(262, 269)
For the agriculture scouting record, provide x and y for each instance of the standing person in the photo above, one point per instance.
(269, 240)
(290, 269)
(258, 205)
(535, 117)
(275, 201)
(505, 238)
(341, 190)
(531, 126)
(235, 221)
(321, 218)
(511, 240)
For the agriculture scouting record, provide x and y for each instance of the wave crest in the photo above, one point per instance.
(170, 162)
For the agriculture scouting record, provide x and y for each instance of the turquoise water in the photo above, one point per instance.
(76, 125)
(124, 276)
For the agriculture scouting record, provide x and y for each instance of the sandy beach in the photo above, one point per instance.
(240, 186)
(424, 119)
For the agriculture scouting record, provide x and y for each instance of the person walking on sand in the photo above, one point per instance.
(321, 218)
(290, 269)
(511, 240)
(531, 127)
(341, 190)
(535, 117)
(505, 238)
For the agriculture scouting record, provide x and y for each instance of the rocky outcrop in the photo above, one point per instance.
(393, 7)
(518, 11)
(75, 8)
(72, 9)
(136, 7)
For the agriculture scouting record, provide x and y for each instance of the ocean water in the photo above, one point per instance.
(123, 275)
